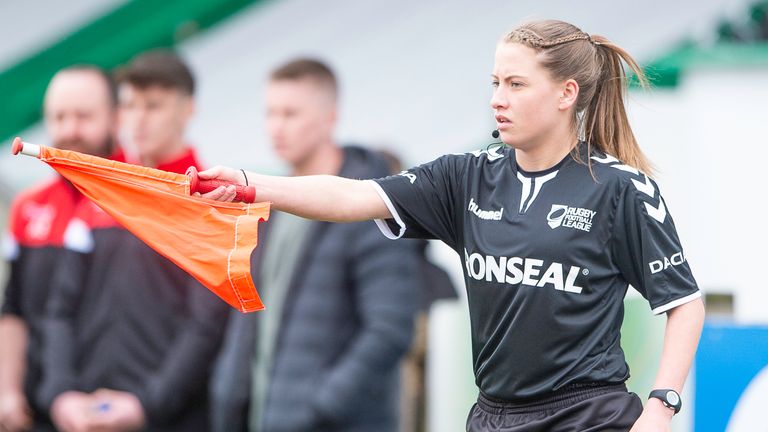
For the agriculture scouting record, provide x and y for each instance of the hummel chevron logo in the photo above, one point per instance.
(606, 160)
(646, 188)
(659, 213)
(626, 168)
(410, 176)
(615, 163)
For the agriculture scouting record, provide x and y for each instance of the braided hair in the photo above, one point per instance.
(597, 65)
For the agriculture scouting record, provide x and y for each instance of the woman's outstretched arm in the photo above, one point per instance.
(320, 197)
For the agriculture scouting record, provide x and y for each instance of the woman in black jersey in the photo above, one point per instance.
(551, 230)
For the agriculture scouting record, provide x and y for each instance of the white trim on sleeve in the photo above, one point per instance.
(382, 224)
(675, 303)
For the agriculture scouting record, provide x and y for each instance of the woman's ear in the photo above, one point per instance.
(569, 94)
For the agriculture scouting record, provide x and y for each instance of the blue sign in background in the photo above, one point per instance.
(728, 358)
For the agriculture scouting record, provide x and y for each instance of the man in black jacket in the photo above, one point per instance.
(340, 298)
(130, 338)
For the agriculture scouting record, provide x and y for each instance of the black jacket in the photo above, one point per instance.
(33, 245)
(346, 322)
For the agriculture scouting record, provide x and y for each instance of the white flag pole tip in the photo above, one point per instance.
(22, 147)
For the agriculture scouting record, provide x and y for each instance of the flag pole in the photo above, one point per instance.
(25, 148)
(246, 194)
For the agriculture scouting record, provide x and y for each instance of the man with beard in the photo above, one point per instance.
(79, 112)
(130, 337)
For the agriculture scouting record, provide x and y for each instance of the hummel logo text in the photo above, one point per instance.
(484, 214)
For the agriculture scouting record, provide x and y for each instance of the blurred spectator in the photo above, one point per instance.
(130, 338)
(434, 284)
(79, 112)
(340, 298)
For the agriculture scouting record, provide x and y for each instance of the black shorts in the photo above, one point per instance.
(578, 408)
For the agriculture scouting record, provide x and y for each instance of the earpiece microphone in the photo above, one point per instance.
(495, 133)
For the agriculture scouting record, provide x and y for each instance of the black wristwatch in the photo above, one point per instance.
(670, 398)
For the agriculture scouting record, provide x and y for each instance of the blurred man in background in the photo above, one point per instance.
(130, 337)
(340, 298)
(79, 113)
(434, 284)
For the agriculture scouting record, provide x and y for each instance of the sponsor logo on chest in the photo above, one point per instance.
(527, 271)
(570, 217)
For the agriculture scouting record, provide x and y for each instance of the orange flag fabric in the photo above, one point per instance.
(210, 240)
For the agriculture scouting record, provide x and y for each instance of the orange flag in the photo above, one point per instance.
(210, 240)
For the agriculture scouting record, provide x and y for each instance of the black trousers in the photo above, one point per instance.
(578, 408)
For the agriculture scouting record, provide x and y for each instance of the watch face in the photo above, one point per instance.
(673, 398)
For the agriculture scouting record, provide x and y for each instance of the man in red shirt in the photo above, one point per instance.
(79, 112)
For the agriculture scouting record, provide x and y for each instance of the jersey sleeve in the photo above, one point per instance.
(647, 249)
(423, 200)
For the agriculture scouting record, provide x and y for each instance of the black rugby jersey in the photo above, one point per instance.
(547, 260)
